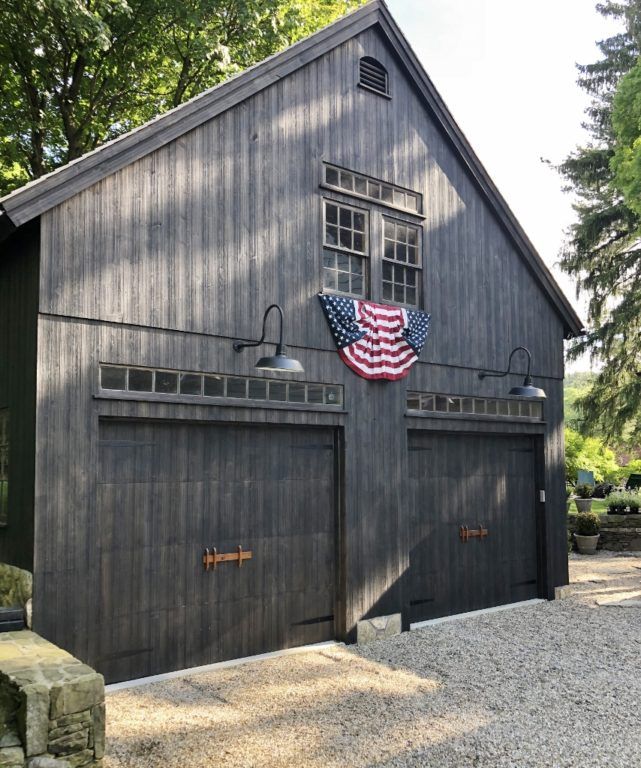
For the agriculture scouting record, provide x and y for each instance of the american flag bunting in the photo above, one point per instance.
(376, 341)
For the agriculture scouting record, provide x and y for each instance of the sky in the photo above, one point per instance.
(507, 71)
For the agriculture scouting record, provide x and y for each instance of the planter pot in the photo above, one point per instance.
(634, 510)
(583, 505)
(586, 544)
(616, 511)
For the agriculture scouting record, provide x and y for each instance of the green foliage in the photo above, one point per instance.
(584, 491)
(587, 524)
(76, 73)
(604, 249)
(632, 468)
(575, 386)
(617, 503)
(591, 454)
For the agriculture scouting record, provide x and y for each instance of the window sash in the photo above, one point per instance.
(338, 245)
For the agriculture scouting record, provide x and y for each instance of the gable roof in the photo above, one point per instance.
(41, 195)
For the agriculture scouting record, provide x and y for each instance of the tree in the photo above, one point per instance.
(76, 73)
(604, 250)
(591, 454)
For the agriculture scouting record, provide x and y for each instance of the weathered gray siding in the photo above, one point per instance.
(203, 234)
(168, 260)
(18, 322)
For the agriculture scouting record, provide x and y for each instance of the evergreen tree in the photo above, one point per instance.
(604, 249)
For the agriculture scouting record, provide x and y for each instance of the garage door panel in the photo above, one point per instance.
(470, 480)
(168, 490)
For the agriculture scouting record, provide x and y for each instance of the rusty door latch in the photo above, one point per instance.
(466, 533)
(211, 558)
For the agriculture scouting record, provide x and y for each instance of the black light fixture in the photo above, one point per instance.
(279, 361)
(527, 389)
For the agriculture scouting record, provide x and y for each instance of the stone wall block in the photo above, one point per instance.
(81, 759)
(77, 695)
(66, 730)
(44, 761)
(33, 718)
(11, 757)
(98, 730)
(378, 628)
(78, 717)
(72, 742)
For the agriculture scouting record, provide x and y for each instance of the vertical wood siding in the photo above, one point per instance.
(203, 234)
(166, 261)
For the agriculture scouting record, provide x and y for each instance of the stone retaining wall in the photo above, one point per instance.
(619, 533)
(52, 710)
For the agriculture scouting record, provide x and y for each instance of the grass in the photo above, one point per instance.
(600, 506)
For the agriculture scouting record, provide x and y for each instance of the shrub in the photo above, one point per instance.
(587, 524)
(634, 502)
(617, 503)
(584, 491)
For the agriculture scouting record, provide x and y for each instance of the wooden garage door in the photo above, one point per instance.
(165, 492)
(470, 480)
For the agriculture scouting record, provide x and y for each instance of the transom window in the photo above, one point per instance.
(401, 262)
(4, 465)
(168, 382)
(346, 246)
(479, 406)
(359, 185)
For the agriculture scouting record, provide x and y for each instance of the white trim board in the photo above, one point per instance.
(495, 609)
(218, 665)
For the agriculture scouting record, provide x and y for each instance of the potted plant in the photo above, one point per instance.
(584, 498)
(587, 532)
(634, 501)
(617, 503)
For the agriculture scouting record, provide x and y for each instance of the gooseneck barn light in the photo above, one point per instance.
(526, 389)
(279, 361)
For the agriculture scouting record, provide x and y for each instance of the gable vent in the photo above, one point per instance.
(373, 76)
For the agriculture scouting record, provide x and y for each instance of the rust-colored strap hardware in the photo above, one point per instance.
(211, 558)
(465, 533)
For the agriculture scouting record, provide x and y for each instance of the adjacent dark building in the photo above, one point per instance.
(133, 436)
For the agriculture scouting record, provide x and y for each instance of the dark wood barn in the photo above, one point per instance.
(133, 435)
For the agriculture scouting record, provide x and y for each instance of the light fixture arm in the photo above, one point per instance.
(280, 348)
(528, 378)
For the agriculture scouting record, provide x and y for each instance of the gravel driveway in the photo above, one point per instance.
(554, 684)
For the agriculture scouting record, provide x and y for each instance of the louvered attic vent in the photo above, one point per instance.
(373, 76)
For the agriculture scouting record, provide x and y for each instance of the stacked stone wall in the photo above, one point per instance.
(619, 533)
(52, 710)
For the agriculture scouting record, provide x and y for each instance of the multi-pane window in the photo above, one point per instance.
(164, 382)
(479, 406)
(401, 262)
(4, 465)
(358, 184)
(346, 246)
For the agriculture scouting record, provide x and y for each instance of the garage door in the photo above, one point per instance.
(165, 492)
(474, 481)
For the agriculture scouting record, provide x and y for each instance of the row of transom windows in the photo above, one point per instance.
(347, 254)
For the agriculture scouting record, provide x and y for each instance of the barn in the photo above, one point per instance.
(183, 499)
